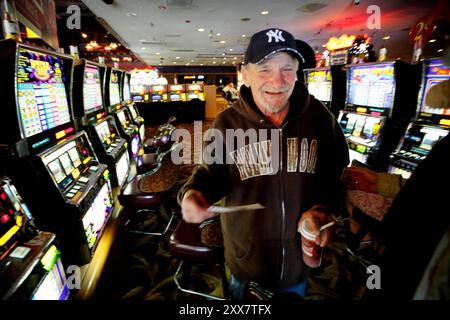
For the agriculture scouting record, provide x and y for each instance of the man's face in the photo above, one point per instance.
(272, 81)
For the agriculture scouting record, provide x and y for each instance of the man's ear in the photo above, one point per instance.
(244, 76)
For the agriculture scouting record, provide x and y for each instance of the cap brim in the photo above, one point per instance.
(286, 49)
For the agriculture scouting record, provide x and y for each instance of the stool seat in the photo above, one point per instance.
(146, 163)
(151, 189)
(185, 243)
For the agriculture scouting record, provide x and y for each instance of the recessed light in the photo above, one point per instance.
(222, 41)
(201, 64)
(192, 60)
(440, 50)
(243, 36)
(157, 53)
(264, 12)
(234, 58)
(218, 34)
(386, 37)
(177, 57)
(174, 62)
(214, 62)
(200, 29)
(143, 48)
(131, 14)
(84, 35)
(231, 49)
(432, 40)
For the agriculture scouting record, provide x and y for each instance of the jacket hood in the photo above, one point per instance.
(299, 102)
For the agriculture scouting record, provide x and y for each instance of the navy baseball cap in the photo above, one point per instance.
(266, 42)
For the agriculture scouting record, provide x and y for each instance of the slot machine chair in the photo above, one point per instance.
(162, 139)
(149, 193)
(189, 244)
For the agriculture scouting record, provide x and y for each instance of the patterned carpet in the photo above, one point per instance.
(147, 267)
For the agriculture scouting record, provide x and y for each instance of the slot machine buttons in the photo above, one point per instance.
(93, 168)
(20, 253)
(83, 180)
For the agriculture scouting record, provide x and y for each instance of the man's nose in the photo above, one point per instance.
(278, 79)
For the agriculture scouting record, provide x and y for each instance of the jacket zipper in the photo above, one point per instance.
(283, 210)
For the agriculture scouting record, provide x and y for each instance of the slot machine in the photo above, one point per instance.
(430, 125)
(176, 92)
(194, 91)
(158, 93)
(131, 106)
(115, 107)
(30, 261)
(328, 86)
(90, 115)
(379, 104)
(53, 166)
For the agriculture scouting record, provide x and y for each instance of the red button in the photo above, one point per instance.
(4, 218)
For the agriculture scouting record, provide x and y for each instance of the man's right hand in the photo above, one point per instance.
(194, 207)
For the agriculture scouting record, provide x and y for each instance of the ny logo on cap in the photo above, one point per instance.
(275, 35)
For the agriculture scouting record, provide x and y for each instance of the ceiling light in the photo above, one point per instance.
(157, 53)
(218, 34)
(231, 49)
(200, 29)
(222, 41)
(243, 36)
(131, 14)
(143, 48)
(177, 57)
(201, 64)
(386, 37)
(234, 58)
(440, 50)
(214, 62)
(223, 62)
(84, 35)
(174, 62)
(264, 12)
(432, 40)
(192, 60)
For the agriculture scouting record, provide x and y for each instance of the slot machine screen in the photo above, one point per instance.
(159, 88)
(156, 97)
(95, 218)
(193, 96)
(319, 84)
(104, 133)
(123, 118)
(371, 86)
(114, 93)
(371, 128)
(194, 87)
(122, 167)
(175, 97)
(126, 89)
(54, 286)
(64, 164)
(133, 111)
(176, 87)
(92, 90)
(420, 139)
(56, 170)
(434, 72)
(41, 92)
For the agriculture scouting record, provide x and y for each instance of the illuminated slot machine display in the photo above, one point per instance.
(194, 91)
(379, 103)
(53, 166)
(90, 115)
(131, 106)
(140, 82)
(176, 92)
(117, 108)
(30, 260)
(158, 93)
(431, 124)
(328, 86)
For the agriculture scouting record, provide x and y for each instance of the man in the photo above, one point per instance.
(231, 90)
(292, 169)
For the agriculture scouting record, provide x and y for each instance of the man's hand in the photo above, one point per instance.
(194, 207)
(318, 216)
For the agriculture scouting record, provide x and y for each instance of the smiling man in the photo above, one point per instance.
(292, 169)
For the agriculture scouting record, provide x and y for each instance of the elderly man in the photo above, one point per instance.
(289, 161)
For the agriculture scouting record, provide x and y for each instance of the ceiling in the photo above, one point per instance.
(165, 32)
